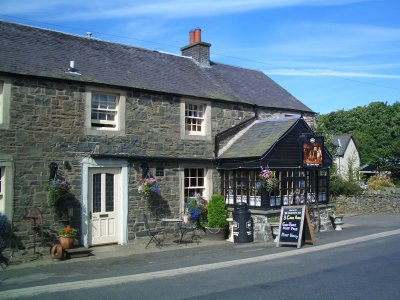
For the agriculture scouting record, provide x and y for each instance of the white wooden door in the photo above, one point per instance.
(104, 188)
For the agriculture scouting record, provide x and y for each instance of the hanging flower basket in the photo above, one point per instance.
(268, 179)
(57, 188)
(146, 186)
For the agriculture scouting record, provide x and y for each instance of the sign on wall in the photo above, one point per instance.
(313, 149)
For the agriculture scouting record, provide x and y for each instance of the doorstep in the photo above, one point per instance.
(78, 252)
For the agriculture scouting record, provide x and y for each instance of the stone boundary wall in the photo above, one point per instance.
(387, 200)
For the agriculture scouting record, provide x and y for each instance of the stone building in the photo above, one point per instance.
(103, 115)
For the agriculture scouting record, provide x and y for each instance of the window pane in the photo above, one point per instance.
(200, 172)
(109, 192)
(200, 181)
(96, 193)
(1, 181)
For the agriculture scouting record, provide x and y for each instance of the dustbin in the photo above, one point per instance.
(242, 224)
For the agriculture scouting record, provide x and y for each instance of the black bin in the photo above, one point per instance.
(242, 224)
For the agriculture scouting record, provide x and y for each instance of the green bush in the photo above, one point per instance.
(352, 188)
(217, 212)
(379, 182)
(338, 186)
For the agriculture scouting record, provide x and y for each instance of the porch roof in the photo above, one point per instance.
(257, 139)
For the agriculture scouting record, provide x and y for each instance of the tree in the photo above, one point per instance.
(375, 128)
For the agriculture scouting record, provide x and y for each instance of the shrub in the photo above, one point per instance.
(379, 182)
(352, 188)
(338, 186)
(217, 212)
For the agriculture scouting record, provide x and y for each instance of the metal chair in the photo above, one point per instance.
(188, 227)
(152, 233)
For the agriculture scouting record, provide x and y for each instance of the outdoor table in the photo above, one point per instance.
(182, 228)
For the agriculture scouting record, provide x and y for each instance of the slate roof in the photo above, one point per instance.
(341, 142)
(32, 51)
(258, 138)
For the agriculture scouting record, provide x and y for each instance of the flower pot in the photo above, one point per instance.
(216, 234)
(67, 242)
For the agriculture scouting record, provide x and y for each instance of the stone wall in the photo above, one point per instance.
(262, 229)
(387, 200)
(47, 125)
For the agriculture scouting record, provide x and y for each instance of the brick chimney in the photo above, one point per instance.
(198, 50)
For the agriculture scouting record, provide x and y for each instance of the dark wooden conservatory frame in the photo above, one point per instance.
(297, 182)
(295, 187)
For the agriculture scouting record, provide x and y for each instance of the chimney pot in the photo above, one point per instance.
(198, 50)
(197, 35)
(191, 37)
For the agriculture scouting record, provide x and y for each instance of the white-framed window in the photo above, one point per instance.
(2, 179)
(195, 120)
(5, 98)
(6, 185)
(105, 111)
(194, 182)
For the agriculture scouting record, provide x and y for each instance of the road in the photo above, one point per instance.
(357, 268)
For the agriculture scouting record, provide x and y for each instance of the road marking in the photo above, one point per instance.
(101, 282)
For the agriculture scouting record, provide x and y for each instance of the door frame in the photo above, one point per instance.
(123, 192)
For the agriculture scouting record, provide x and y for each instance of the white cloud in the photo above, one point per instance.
(327, 73)
(337, 40)
(94, 10)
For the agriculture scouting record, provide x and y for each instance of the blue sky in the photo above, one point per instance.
(329, 54)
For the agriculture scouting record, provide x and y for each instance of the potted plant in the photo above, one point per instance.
(216, 217)
(67, 237)
(196, 210)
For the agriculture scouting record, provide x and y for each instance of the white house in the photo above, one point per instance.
(347, 156)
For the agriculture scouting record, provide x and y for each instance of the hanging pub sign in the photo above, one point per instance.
(313, 149)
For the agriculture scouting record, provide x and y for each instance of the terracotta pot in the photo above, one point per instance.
(67, 242)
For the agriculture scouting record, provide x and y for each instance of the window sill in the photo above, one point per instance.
(104, 132)
(196, 137)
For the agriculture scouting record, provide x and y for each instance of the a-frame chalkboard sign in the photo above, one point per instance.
(295, 226)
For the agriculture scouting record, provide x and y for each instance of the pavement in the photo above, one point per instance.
(121, 264)
(355, 226)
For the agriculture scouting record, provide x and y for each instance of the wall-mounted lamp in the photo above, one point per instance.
(53, 170)
(145, 169)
